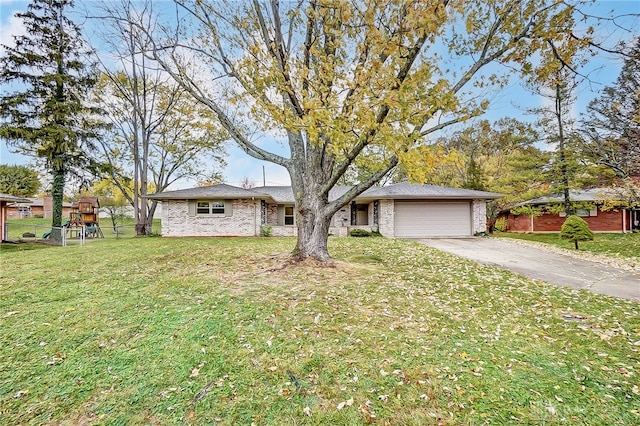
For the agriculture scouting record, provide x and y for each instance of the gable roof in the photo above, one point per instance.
(13, 199)
(406, 190)
(284, 194)
(581, 195)
(207, 193)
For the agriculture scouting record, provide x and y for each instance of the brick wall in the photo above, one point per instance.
(246, 220)
(605, 221)
(176, 221)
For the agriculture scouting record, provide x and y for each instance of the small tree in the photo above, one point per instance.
(576, 229)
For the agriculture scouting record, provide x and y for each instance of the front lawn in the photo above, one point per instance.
(619, 245)
(229, 331)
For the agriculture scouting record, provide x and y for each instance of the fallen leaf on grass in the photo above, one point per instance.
(195, 372)
(20, 393)
(367, 411)
(307, 411)
(347, 403)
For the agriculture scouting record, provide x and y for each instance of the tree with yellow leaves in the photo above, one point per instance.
(351, 83)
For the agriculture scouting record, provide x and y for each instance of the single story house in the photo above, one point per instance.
(7, 201)
(36, 207)
(401, 210)
(597, 210)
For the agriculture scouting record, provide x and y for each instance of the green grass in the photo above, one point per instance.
(214, 331)
(620, 245)
(39, 226)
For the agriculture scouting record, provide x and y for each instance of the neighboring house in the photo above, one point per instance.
(400, 210)
(596, 210)
(36, 207)
(7, 201)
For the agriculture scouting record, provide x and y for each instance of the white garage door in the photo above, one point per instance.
(422, 219)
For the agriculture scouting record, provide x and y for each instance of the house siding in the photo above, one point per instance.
(244, 222)
(605, 221)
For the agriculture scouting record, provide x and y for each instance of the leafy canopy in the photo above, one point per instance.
(20, 181)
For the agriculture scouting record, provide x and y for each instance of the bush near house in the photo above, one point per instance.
(576, 229)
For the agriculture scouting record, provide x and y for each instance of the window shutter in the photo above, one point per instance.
(192, 208)
(228, 208)
(593, 212)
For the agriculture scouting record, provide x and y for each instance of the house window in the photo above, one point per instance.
(210, 207)
(582, 212)
(288, 215)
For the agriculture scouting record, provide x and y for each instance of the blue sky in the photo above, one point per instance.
(511, 102)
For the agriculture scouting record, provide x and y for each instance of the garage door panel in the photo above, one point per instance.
(432, 219)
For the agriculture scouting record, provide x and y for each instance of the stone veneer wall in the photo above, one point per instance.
(386, 218)
(272, 214)
(176, 222)
(246, 220)
(479, 214)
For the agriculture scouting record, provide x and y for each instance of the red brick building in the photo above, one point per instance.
(6, 201)
(36, 207)
(619, 219)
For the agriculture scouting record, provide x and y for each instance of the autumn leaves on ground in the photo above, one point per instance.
(227, 331)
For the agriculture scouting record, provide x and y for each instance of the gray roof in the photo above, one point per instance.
(207, 193)
(284, 194)
(13, 199)
(405, 190)
(583, 195)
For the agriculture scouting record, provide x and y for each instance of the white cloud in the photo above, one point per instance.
(10, 27)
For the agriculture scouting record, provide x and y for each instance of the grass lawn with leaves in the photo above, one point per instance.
(619, 245)
(231, 331)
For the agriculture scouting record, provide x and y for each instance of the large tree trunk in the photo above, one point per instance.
(313, 228)
(313, 212)
(57, 193)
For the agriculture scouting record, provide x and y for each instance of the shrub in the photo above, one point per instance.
(266, 230)
(359, 233)
(575, 229)
(501, 224)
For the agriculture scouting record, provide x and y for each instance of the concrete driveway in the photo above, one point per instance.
(544, 265)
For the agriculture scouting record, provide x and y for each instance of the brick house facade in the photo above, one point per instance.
(619, 219)
(224, 210)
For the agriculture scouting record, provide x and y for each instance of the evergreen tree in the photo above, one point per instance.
(575, 229)
(475, 176)
(46, 81)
